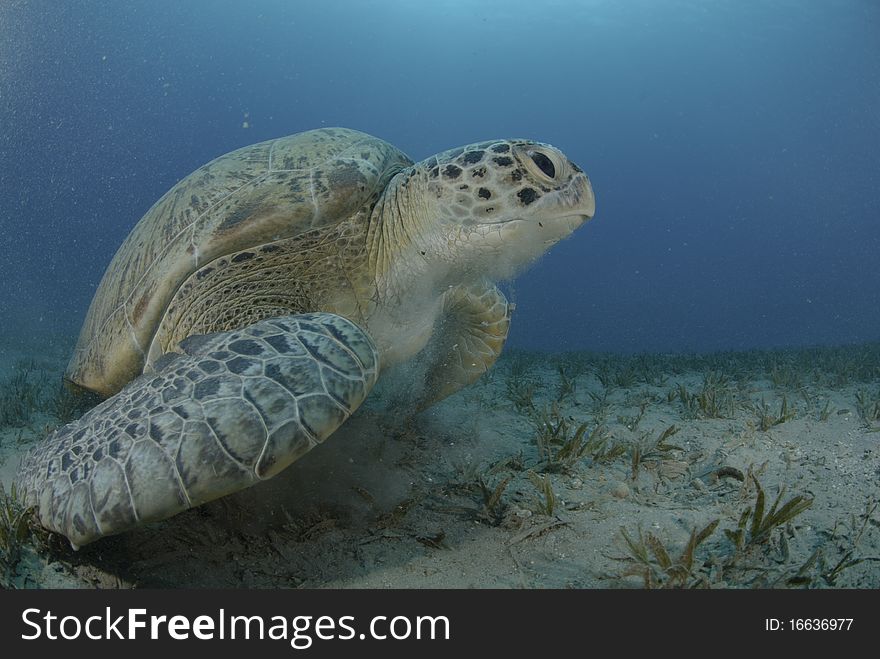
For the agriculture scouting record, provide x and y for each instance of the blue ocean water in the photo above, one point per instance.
(733, 145)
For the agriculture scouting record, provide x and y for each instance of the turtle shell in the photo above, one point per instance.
(253, 196)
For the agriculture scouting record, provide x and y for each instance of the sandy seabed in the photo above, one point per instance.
(573, 470)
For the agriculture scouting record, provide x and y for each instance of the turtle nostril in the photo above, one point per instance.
(544, 163)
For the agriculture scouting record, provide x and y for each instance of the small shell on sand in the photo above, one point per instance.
(620, 490)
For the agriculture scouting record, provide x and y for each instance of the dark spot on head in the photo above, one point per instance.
(365, 155)
(490, 209)
(484, 193)
(479, 172)
(527, 195)
(242, 256)
(194, 200)
(434, 172)
(269, 248)
(472, 157)
(451, 171)
(463, 186)
(501, 148)
(516, 175)
(503, 161)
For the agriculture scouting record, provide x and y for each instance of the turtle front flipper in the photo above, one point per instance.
(236, 409)
(471, 333)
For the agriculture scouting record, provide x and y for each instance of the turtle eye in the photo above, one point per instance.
(544, 163)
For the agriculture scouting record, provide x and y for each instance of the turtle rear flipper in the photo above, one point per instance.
(237, 408)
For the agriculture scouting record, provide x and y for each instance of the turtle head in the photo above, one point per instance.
(497, 206)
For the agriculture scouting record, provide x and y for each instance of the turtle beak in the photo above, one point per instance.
(577, 207)
(581, 196)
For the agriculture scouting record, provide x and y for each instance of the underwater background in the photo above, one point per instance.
(732, 144)
(734, 150)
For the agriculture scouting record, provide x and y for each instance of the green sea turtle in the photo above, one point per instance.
(251, 310)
